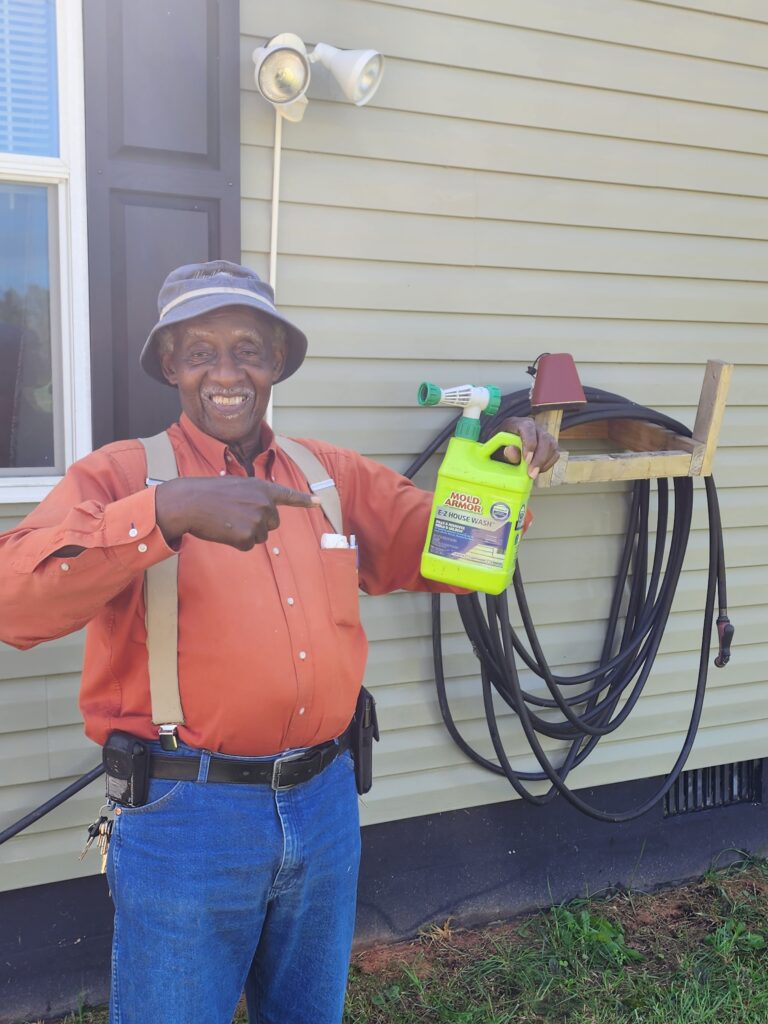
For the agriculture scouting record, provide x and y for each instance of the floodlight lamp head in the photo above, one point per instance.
(358, 73)
(282, 74)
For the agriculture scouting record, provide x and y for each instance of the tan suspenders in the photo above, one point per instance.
(161, 603)
(161, 598)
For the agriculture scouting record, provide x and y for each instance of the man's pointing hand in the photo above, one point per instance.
(232, 510)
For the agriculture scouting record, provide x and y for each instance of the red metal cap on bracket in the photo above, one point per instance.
(556, 384)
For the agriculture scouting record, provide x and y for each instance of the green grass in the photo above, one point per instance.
(697, 954)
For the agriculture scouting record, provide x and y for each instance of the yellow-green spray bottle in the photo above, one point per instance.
(480, 503)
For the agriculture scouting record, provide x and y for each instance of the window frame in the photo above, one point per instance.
(69, 280)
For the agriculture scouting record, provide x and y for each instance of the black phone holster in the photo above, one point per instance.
(365, 729)
(126, 763)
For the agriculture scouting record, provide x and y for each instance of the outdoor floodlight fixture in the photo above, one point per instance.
(282, 72)
(358, 73)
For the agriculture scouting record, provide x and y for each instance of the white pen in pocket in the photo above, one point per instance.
(338, 540)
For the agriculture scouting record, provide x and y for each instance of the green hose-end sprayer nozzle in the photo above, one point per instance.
(429, 394)
(468, 428)
(474, 401)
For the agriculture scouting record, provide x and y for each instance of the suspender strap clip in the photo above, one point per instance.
(169, 737)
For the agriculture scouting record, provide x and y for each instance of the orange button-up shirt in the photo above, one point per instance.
(271, 650)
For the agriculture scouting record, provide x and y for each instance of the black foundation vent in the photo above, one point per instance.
(718, 786)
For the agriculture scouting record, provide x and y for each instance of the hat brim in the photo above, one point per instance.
(296, 340)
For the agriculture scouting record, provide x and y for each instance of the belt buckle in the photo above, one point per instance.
(277, 766)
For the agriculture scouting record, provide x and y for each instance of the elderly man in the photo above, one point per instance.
(222, 880)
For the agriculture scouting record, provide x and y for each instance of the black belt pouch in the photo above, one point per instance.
(126, 762)
(365, 729)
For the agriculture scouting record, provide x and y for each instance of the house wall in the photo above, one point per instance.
(587, 178)
(530, 177)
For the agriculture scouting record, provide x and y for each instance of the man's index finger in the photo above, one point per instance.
(288, 496)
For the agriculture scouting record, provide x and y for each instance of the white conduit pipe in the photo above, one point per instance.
(277, 150)
(276, 154)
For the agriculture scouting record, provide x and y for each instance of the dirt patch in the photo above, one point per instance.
(385, 959)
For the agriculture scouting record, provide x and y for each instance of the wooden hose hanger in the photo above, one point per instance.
(644, 451)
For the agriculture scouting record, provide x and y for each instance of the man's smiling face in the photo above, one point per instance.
(224, 364)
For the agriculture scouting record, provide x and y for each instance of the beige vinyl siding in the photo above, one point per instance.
(637, 24)
(532, 177)
(553, 176)
(43, 749)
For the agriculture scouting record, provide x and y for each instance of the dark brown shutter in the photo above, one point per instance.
(162, 106)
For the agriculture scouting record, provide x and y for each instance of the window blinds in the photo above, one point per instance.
(28, 94)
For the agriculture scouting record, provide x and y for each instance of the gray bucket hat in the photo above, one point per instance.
(201, 287)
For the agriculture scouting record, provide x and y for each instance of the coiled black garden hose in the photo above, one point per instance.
(626, 659)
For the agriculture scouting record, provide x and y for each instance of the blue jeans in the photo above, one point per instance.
(221, 888)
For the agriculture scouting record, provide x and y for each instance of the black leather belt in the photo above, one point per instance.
(281, 773)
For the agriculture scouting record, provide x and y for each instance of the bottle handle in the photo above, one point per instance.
(503, 440)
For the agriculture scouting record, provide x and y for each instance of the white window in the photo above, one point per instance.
(44, 346)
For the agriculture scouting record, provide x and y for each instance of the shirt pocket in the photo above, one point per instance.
(340, 572)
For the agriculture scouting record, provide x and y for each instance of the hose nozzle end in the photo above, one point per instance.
(725, 633)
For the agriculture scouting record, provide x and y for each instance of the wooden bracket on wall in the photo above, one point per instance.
(644, 450)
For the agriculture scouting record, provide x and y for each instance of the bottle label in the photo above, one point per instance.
(463, 533)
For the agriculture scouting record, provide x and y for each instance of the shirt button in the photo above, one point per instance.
(290, 600)
(303, 655)
(302, 710)
(142, 548)
(64, 566)
(133, 532)
(275, 551)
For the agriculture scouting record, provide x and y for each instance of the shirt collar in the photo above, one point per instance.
(215, 452)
